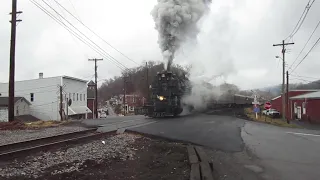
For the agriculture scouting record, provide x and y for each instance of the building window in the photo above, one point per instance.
(31, 97)
(80, 97)
(304, 108)
(84, 97)
(74, 97)
(77, 97)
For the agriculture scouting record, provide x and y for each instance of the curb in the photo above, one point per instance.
(201, 165)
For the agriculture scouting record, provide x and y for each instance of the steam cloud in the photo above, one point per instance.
(176, 22)
(211, 58)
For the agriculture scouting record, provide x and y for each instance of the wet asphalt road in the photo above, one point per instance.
(240, 149)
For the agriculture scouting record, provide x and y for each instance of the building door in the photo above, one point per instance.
(299, 112)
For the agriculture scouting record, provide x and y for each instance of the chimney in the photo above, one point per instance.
(41, 75)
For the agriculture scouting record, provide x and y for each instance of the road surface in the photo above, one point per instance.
(110, 110)
(241, 149)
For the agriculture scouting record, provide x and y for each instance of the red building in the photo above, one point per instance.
(90, 98)
(277, 102)
(305, 107)
(132, 101)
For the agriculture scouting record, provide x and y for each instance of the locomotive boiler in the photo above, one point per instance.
(166, 93)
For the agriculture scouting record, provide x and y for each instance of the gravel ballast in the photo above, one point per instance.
(120, 157)
(74, 157)
(14, 136)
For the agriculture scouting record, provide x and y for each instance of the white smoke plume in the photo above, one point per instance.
(211, 58)
(176, 22)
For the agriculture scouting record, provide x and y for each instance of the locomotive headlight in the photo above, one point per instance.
(163, 75)
(161, 98)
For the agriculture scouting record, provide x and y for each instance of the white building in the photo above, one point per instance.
(44, 96)
(21, 107)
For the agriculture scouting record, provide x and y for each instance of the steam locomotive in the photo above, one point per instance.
(167, 90)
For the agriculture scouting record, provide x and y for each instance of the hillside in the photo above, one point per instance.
(136, 81)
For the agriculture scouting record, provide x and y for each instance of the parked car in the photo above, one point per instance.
(103, 115)
(271, 112)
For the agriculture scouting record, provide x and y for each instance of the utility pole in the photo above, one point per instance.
(12, 59)
(283, 77)
(124, 94)
(96, 86)
(61, 103)
(287, 97)
(147, 78)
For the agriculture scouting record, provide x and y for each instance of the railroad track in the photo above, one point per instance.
(14, 150)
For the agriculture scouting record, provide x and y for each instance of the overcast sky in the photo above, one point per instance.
(235, 40)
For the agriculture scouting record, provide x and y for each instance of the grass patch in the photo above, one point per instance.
(269, 120)
(43, 124)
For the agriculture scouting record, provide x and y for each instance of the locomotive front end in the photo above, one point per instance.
(166, 94)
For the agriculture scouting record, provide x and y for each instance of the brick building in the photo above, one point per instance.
(90, 98)
(132, 101)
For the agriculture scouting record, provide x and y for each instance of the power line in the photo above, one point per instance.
(72, 31)
(108, 55)
(301, 20)
(314, 45)
(305, 45)
(96, 33)
(305, 76)
(74, 9)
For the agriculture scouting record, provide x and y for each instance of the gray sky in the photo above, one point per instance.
(235, 40)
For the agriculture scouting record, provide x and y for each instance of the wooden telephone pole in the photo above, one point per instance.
(61, 102)
(96, 86)
(287, 96)
(147, 78)
(124, 93)
(12, 59)
(283, 77)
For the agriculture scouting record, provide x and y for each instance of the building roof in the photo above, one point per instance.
(66, 77)
(4, 101)
(91, 83)
(297, 90)
(313, 95)
(73, 78)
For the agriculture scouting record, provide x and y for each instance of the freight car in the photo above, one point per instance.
(229, 100)
(167, 90)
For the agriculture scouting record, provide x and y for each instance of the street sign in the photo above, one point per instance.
(267, 105)
(256, 109)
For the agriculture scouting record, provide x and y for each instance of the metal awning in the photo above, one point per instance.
(78, 110)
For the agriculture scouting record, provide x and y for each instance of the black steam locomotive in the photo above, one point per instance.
(167, 90)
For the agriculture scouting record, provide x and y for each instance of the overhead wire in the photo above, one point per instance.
(106, 53)
(305, 45)
(74, 8)
(317, 78)
(301, 20)
(72, 31)
(314, 45)
(95, 33)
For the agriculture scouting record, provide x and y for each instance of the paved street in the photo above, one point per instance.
(110, 110)
(240, 149)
